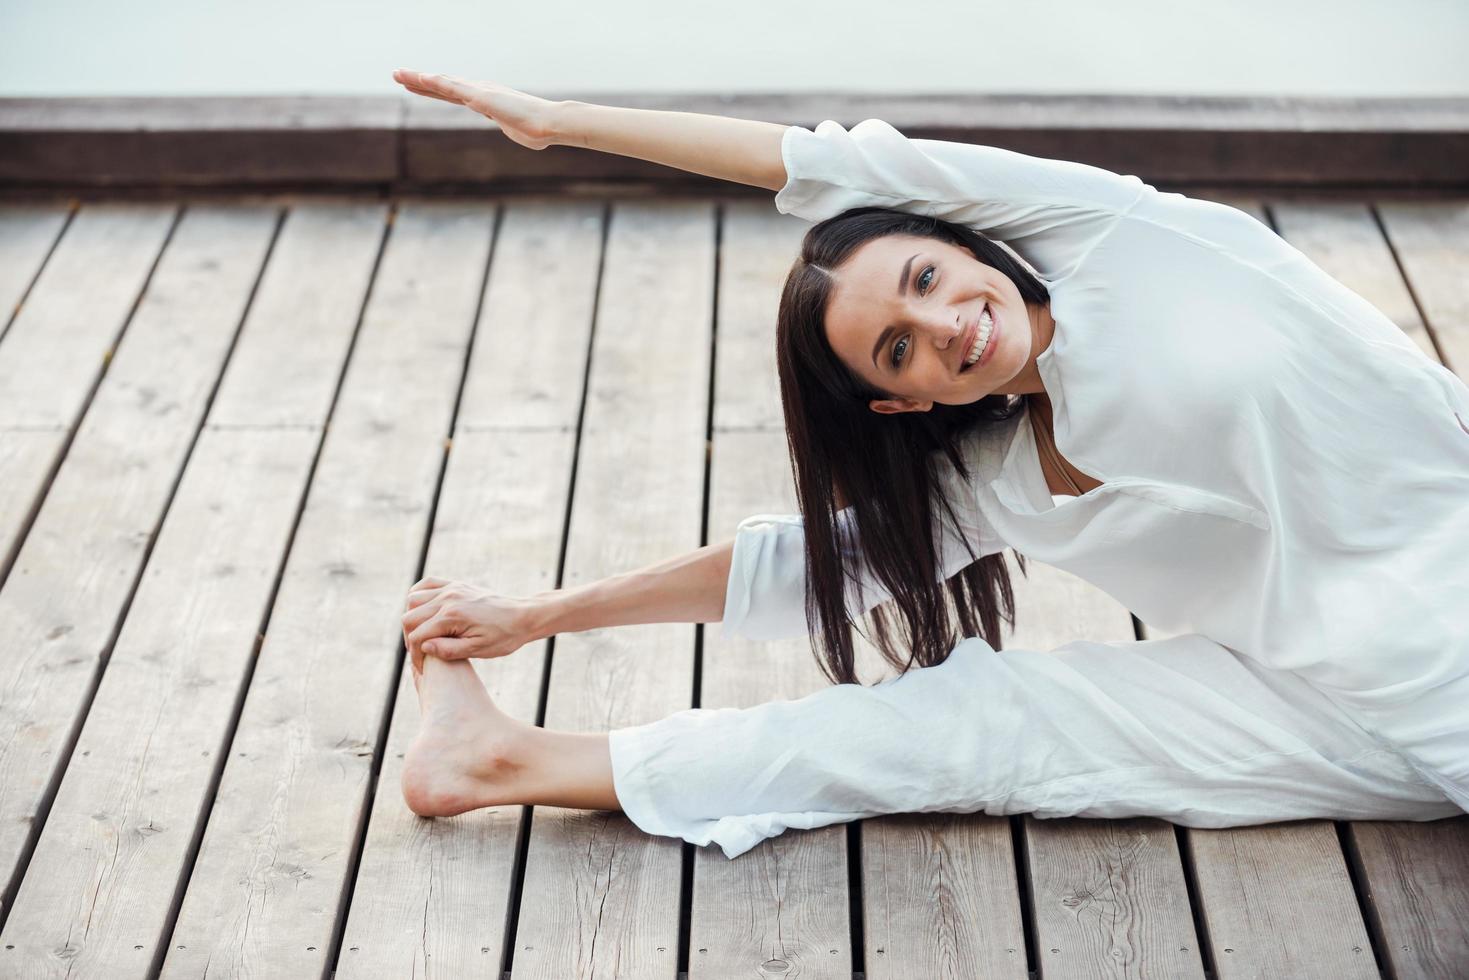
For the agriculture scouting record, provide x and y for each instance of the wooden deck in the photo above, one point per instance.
(233, 433)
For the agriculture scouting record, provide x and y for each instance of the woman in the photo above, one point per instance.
(1250, 455)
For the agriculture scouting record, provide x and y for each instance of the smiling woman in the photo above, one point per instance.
(877, 315)
(1321, 657)
(918, 340)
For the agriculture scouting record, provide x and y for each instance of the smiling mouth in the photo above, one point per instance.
(971, 335)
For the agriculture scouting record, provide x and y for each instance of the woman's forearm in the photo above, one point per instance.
(688, 588)
(744, 151)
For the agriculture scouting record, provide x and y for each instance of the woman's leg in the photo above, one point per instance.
(469, 754)
(1429, 728)
(1179, 728)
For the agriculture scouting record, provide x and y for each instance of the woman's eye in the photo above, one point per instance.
(899, 349)
(923, 290)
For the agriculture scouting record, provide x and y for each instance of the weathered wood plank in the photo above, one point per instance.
(759, 245)
(100, 886)
(1258, 884)
(267, 891)
(1119, 906)
(1277, 901)
(1418, 893)
(59, 343)
(1431, 239)
(1416, 874)
(940, 897)
(783, 907)
(26, 458)
(1139, 923)
(293, 352)
(98, 894)
(600, 897)
(27, 234)
(62, 337)
(433, 897)
(73, 576)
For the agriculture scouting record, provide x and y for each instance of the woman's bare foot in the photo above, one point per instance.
(468, 753)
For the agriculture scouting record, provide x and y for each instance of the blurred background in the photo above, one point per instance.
(275, 47)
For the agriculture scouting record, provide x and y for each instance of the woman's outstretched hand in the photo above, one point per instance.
(455, 620)
(526, 119)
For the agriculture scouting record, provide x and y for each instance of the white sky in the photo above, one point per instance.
(550, 47)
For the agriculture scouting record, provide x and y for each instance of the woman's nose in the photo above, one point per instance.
(944, 334)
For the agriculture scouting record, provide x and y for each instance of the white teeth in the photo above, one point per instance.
(985, 323)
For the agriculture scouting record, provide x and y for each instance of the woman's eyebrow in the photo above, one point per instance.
(881, 339)
(903, 276)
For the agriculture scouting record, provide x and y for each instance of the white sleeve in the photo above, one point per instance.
(1051, 212)
(765, 598)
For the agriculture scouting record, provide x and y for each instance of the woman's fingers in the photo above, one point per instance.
(416, 617)
(411, 77)
(452, 648)
(448, 87)
(432, 95)
(523, 118)
(414, 622)
(431, 628)
(423, 590)
(422, 607)
(454, 620)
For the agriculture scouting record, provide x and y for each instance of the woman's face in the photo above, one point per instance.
(905, 314)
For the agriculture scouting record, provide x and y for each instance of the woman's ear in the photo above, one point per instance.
(892, 406)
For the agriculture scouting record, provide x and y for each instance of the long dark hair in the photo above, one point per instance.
(885, 466)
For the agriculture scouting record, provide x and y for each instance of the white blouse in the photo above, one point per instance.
(1283, 470)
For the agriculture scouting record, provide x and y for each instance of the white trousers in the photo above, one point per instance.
(1180, 728)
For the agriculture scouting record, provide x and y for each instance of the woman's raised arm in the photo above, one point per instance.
(743, 151)
(1052, 212)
